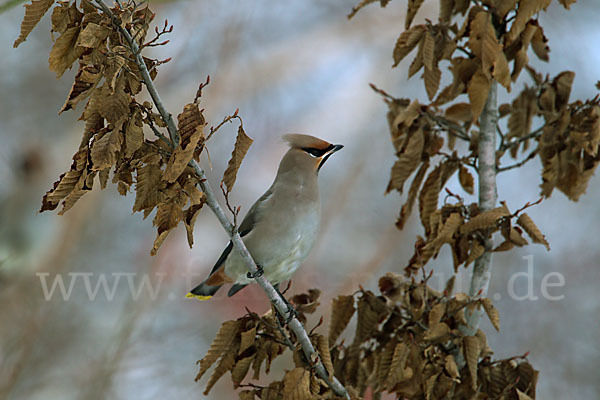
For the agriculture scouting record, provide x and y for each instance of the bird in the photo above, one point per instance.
(281, 227)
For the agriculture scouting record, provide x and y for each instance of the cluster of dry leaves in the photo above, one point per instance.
(564, 135)
(465, 228)
(407, 342)
(109, 77)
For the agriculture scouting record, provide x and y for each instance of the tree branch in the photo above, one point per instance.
(520, 163)
(532, 135)
(480, 279)
(211, 200)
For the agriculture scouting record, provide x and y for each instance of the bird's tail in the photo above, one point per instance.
(203, 291)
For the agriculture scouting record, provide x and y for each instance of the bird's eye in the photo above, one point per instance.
(316, 153)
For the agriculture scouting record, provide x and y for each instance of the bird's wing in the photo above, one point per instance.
(245, 228)
(235, 288)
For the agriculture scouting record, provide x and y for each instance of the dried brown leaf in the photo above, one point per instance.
(104, 150)
(242, 144)
(407, 42)
(428, 198)
(113, 103)
(134, 135)
(85, 81)
(226, 364)
(446, 8)
(478, 90)
(413, 8)
(429, 60)
(323, 348)
(221, 344)
(527, 8)
(371, 310)
(432, 80)
(437, 332)
(451, 367)
(342, 310)
(240, 369)
(436, 313)
(182, 155)
(459, 112)
(407, 161)
(466, 179)
(485, 220)
(147, 194)
(83, 186)
(296, 385)
(406, 209)
(33, 14)
(65, 52)
(477, 250)
(189, 219)
(523, 396)
(472, 349)
(532, 230)
(539, 44)
(247, 339)
(67, 181)
(398, 365)
(92, 35)
(491, 312)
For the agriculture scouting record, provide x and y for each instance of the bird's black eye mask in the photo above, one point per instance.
(317, 153)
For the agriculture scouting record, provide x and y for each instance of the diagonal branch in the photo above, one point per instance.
(211, 200)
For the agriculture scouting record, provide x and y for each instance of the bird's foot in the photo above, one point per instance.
(259, 272)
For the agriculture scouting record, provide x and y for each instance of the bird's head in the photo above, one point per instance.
(307, 152)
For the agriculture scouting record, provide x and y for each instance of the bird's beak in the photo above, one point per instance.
(335, 148)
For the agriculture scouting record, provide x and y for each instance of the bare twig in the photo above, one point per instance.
(465, 51)
(228, 118)
(507, 145)
(449, 126)
(233, 210)
(526, 206)
(531, 156)
(154, 42)
(294, 324)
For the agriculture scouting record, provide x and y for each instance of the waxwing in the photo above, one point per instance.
(281, 227)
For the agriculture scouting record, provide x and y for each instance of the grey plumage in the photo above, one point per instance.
(280, 228)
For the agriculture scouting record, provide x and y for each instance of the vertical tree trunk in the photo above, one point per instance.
(480, 280)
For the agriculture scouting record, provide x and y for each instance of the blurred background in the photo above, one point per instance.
(290, 67)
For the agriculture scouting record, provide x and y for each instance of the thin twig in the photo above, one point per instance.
(507, 145)
(465, 51)
(294, 324)
(228, 118)
(526, 206)
(449, 126)
(531, 156)
(233, 210)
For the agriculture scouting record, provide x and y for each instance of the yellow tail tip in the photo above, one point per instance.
(197, 297)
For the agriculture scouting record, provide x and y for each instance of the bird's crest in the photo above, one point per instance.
(298, 141)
